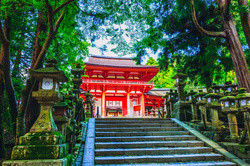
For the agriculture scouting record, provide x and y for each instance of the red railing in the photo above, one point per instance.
(116, 82)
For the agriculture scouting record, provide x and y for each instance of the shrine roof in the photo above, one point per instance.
(160, 92)
(117, 62)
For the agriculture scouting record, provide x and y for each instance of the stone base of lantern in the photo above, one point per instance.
(61, 123)
(54, 162)
(180, 111)
(43, 145)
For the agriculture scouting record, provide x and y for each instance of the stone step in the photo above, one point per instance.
(132, 121)
(155, 133)
(111, 125)
(152, 151)
(159, 158)
(147, 144)
(140, 129)
(145, 138)
(201, 163)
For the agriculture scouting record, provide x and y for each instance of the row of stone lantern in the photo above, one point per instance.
(43, 141)
(233, 102)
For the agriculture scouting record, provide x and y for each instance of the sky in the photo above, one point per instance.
(99, 43)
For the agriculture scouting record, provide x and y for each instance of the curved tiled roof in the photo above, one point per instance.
(114, 62)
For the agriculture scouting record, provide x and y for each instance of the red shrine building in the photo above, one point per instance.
(120, 87)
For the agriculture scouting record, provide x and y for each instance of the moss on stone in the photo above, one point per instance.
(42, 138)
(39, 152)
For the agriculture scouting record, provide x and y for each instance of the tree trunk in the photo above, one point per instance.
(5, 59)
(233, 42)
(245, 19)
(237, 54)
(2, 149)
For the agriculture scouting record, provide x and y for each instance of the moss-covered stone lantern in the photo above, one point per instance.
(216, 88)
(43, 141)
(228, 104)
(214, 106)
(180, 107)
(201, 103)
(180, 84)
(89, 102)
(192, 101)
(167, 104)
(231, 88)
(60, 117)
(243, 99)
(77, 81)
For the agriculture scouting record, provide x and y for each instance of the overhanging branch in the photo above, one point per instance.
(202, 30)
(61, 6)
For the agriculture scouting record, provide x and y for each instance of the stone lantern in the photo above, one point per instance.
(214, 106)
(77, 81)
(216, 88)
(231, 88)
(243, 99)
(171, 100)
(167, 104)
(201, 102)
(43, 141)
(60, 116)
(89, 102)
(180, 107)
(192, 101)
(180, 84)
(228, 104)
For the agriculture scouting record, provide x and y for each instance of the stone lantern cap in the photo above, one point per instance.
(227, 98)
(191, 93)
(50, 71)
(200, 93)
(61, 104)
(242, 94)
(229, 84)
(213, 95)
(78, 70)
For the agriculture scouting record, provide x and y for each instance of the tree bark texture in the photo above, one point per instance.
(2, 149)
(233, 42)
(245, 19)
(5, 60)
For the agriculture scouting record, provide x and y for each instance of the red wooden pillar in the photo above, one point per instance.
(142, 105)
(128, 101)
(103, 106)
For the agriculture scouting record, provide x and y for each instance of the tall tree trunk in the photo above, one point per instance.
(2, 149)
(5, 60)
(7, 77)
(245, 19)
(236, 50)
(233, 42)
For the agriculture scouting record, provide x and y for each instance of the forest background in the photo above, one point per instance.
(196, 37)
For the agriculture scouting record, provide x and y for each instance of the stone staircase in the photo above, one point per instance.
(148, 141)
